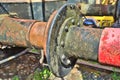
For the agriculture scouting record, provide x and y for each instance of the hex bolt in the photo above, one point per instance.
(73, 21)
(72, 6)
(66, 28)
(65, 60)
(78, 24)
(62, 43)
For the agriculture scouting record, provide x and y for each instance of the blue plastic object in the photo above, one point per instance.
(89, 22)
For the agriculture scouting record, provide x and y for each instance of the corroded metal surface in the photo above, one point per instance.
(57, 65)
(61, 37)
(13, 31)
(97, 65)
(47, 30)
(83, 42)
(21, 32)
(36, 34)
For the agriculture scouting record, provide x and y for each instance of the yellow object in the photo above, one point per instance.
(103, 21)
(106, 2)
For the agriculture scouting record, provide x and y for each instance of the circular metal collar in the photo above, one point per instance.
(57, 59)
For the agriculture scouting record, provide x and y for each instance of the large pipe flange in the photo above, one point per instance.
(61, 64)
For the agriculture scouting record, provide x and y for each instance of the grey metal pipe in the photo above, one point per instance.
(83, 42)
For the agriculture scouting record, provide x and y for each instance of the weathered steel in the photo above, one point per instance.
(32, 33)
(63, 38)
(83, 42)
(37, 33)
(21, 32)
(97, 65)
(13, 31)
(68, 41)
(60, 67)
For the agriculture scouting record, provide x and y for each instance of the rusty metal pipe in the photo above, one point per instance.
(61, 37)
(37, 33)
(22, 32)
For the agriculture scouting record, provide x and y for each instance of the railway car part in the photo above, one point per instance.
(27, 32)
(63, 39)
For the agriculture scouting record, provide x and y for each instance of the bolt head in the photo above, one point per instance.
(73, 21)
(66, 28)
(65, 60)
(72, 7)
(62, 43)
(78, 24)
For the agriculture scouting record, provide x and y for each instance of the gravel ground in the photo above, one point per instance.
(81, 72)
(22, 66)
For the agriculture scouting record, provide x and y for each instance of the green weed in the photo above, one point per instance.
(15, 78)
(44, 74)
(115, 75)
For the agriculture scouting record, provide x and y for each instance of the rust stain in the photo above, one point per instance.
(13, 32)
(47, 29)
(36, 34)
(24, 32)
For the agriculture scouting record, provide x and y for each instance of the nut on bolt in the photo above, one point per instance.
(62, 43)
(78, 24)
(66, 28)
(65, 60)
(72, 7)
(73, 21)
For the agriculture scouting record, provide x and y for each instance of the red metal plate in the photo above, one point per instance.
(109, 48)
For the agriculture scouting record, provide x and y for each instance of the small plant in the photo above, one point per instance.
(15, 78)
(44, 74)
(33, 50)
(115, 76)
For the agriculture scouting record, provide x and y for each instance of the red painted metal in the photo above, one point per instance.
(109, 48)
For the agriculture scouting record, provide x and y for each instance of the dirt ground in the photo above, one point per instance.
(25, 65)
